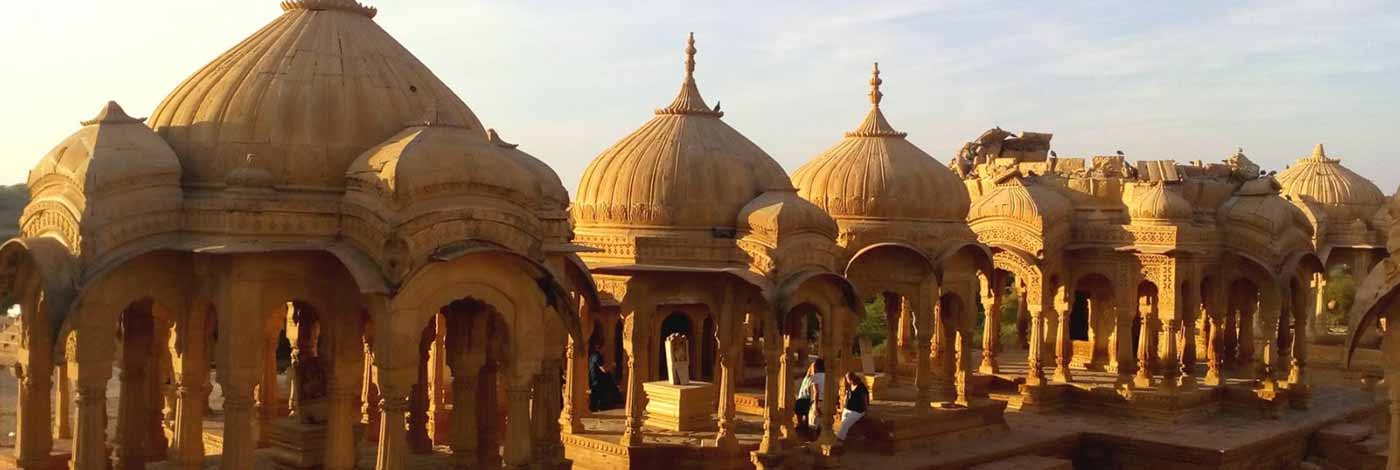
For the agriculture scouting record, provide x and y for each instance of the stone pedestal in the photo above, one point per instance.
(878, 384)
(681, 407)
(295, 445)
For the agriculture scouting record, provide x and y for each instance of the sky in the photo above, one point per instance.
(1181, 80)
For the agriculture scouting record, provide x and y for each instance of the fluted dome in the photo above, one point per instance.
(1158, 205)
(1013, 198)
(781, 214)
(875, 172)
(307, 94)
(111, 151)
(685, 167)
(1324, 181)
(1257, 205)
(432, 160)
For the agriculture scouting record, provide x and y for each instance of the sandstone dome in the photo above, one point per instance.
(875, 172)
(1015, 199)
(684, 167)
(112, 151)
(1257, 205)
(1324, 181)
(306, 94)
(781, 214)
(429, 160)
(1157, 205)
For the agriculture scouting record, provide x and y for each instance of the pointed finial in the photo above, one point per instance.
(1319, 152)
(690, 57)
(875, 82)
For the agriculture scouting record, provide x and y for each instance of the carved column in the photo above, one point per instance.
(729, 346)
(340, 427)
(770, 444)
(1064, 350)
(517, 453)
(991, 328)
(576, 387)
(418, 438)
(551, 450)
(786, 396)
(1125, 310)
(923, 332)
(904, 332)
(188, 442)
(239, 441)
(464, 417)
(1317, 319)
(134, 405)
(1188, 343)
(1023, 320)
(268, 400)
(1297, 378)
(1035, 374)
(892, 343)
(963, 360)
(1245, 342)
(394, 386)
(1268, 323)
(63, 404)
(369, 393)
(32, 439)
(1148, 314)
(437, 382)
(89, 443)
(1171, 369)
(634, 343)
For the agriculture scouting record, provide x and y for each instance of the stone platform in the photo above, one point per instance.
(681, 407)
(890, 427)
(598, 448)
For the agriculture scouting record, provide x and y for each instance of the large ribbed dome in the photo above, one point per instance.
(1324, 181)
(1156, 205)
(307, 94)
(876, 173)
(1014, 198)
(685, 167)
(112, 151)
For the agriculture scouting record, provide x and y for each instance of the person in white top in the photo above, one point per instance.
(809, 395)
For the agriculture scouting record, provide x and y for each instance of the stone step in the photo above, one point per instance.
(1345, 433)
(1027, 462)
(1349, 446)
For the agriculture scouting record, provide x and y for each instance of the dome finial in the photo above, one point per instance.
(875, 82)
(1319, 152)
(689, 100)
(690, 58)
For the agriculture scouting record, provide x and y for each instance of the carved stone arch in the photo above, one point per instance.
(156, 275)
(1024, 267)
(39, 274)
(1011, 232)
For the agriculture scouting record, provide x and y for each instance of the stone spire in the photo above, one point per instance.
(1319, 153)
(875, 124)
(689, 100)
(321, 5)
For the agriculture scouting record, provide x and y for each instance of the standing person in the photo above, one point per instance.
(809, 395)
(602, 390)
(857, 399)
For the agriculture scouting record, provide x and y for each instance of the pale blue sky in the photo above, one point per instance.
(1184, 80)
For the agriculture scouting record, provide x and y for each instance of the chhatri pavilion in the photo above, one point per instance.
(314, 255)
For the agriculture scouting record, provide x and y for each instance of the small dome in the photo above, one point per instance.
(685, 167)
(307, 94)
(431, 160)
(1014, 198)
(111, 151)
(1322, 180)
(1157, 205)
(1258, 205)
(781, 214)
(876, 173)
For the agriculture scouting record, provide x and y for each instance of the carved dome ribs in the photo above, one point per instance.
(876, 173)
(1158, 205)
(684, 167)
(307, 94)
(1345, 195)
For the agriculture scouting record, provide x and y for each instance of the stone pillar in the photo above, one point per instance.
(464, 417)
(905, 332)
(550, 398)
(134, 405)
(63, 404)
(418, 438)
(1268, 323)
(268, 401)
(892, 341)
(340, 427)
(991, 328)
(1148, 313)
(923, 331)
(394, 386)
(90, 443)
(770, 445)
(963, 360)
(33, 442)
(1317, 319)
(1297, 377)
(517, 453)
(1064, 347)
(634, 343)
(1215, 375)
(239, 441)
(437, 382)
(729, 346)
(575, 388)
(1023, 321)
(1171, 369)
(1035, 374)
(369, 394)
(1188, 346)
(1125, 311)
(1245, 341)
(188, 442)
(785, 392)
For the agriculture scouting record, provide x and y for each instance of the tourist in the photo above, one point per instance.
(809, 395)
(857, 399)
(602, 389)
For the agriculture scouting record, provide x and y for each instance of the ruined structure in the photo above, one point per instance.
(441, 294)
